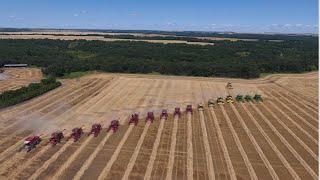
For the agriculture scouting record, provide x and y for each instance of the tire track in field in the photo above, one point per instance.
(154, 151)
(189, 148)
(296, 114)
(210, 168)
(239, 145)
(136, 151)
(172, 148)
(255, 144)
(315, 157)
(224, 146)
(285, 142)
(297, 107)
(295, 123)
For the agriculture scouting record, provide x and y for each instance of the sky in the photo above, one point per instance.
(252, 16)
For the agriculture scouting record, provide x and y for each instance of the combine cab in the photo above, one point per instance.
(189, 109)
(114, 125)
(229, 99)
(220, 101)
(229, 85)
(134, 119)
(30, 143)
(257, 97)
(211, 103)
(200, 107)
(177, 112)
(76, 134)
(164, 114)
(150, 117)
(56, 138)
(248, 98)
(95, 130)
(239, 98)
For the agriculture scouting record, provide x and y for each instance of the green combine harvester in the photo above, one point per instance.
(239, 98)
(258, 98)
(248, 98)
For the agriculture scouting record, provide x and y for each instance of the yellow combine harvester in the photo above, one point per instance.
(220, 101)
(229, 85)
(229, 99)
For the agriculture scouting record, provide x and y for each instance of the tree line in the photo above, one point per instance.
(239, 59)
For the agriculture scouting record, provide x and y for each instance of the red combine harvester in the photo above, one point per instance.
(56, 138)
(76, 134)
(30, 143)
(95, 130)
(114, 125)
(177, 111)
(164, 114)
(150, 117)
(134, 119)
(189, 109)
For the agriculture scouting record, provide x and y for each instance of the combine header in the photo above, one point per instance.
(177, 112)
(220, 101)
(30, 143)
(229, 99)
(164, 114)
(258, 98)
(56, 138)
(189, 109)
(211, 103)
(150, 117)
(229, 85)
(95, 130)
(76, 134)
(114, 125)
(134, 119)
(200, 107)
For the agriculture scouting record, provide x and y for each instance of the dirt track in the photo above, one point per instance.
(273, 139)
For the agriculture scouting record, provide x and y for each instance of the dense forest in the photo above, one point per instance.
(225, 59)
(12, 97)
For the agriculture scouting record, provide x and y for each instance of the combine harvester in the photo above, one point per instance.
(164, 114)
(95, 129)
(177, 112)
(76, 134)
(220, 101)
(30, 143)
(239, 98)
(56, 138)
(248, 98)
(134, 119)
(114, 125)
(258, 98)
(189, 109)
(200, 107)
(229, 99)
(150, 117)
(229, 85)
(210, 103)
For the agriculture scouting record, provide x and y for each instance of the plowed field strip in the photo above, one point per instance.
(290, 148)
(272, 145)
(189, 148)
(263, 157)
(239, 146)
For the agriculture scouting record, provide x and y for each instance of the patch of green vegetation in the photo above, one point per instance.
(80, 54)
(75, 74)
(265, 74)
